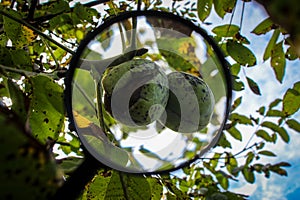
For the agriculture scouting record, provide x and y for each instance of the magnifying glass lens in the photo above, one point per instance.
(150, 92)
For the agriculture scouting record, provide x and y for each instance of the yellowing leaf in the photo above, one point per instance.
(81, 121)
(180, 53)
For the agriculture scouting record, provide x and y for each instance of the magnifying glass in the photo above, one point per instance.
(146, 58)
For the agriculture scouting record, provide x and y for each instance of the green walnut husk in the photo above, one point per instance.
(27, 170)
(136, 92)
(190, 104)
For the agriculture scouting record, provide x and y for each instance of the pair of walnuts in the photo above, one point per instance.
(138, 92)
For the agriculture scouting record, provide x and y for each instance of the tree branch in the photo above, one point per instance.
(32, 9)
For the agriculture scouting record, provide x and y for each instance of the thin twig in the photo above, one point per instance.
(52, 54)
(234, 155)
(230, 22)
(124, 186)
(18, 71)
(119, 26)
(242, 16)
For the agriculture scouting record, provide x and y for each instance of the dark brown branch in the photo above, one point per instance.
(32, 9)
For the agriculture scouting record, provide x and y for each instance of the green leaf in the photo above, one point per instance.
(115, 154)
(124, 186)
(235, 69)
(46, 108)
(156, 188)
(261, 110)
(291, 53)
(26, 165)
(253, 86)
(12, 28)
(291, 100)
(5, 57)
(21, 57)
(281, 131)
(293, 124)
(241, 53)
(237, 85)
(283, 164)
(218, 5)
(260, 146)
(274, 103)
(171, 196)
(223, 142)
(275, 113)
(264, 27)
(284, 135)
(84, 13)
(258, 167)
(248, 175)
(228, 30)
(3, 40)
(97, 188)
(231, 163)
(278, 170)
(18, 100)
(204, 8)
(250, 157)
(215, 160)
(228, 5)
(278, 61)
(267, 153)
(265, 135)
(271, 44)
(235, 133)
(222, 180)
(237, 102)
(69, 164)
(179, 194)
(241, 119)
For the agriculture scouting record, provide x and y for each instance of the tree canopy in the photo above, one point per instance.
(37, 41)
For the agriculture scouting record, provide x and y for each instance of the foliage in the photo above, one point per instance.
(36, 44)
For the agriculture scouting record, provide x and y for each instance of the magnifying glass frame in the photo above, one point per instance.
(75, 62)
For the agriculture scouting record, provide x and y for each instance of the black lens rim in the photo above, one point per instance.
(152, 13)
